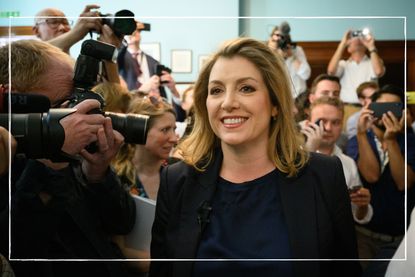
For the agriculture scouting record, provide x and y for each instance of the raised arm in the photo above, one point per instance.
(335, 59)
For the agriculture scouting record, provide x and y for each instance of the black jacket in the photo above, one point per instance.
(316, 207)
(77, 223)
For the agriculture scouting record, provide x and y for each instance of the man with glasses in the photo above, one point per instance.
(52, 25)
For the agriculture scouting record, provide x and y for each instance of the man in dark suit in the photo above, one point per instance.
(139, 71)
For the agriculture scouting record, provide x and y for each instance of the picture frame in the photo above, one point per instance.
(181, 60)
(203, 58)
(152, 49)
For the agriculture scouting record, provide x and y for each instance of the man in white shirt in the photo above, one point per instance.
(358, 68)
(322, 138)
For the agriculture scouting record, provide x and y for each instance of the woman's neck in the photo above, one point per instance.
(145, 162)
(245, 164)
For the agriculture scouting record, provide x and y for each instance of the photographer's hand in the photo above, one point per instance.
(81, 128)
(151, 84)
(79, 31)
(108, 36)
(335, 59)
(95, 165)
(170, 83)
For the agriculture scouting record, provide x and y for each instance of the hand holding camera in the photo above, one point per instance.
(109, 141)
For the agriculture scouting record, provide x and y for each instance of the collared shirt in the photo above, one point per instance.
(351, 175)
(142, 61)
(300, 75)
(351, 75)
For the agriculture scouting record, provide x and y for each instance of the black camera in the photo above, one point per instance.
(35, 127)
(87, 69)
(159, 71)
(122, 22)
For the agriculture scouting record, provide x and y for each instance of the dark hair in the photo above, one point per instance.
(389, 89)
(322, 77)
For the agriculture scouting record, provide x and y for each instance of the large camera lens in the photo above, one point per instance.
(38, 135)
(132, 126)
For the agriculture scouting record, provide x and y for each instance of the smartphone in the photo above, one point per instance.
(354, 189)
(318, 123)
(380, 108)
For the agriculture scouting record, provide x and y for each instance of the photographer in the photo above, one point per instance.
(140, 71)
(294, 56)
(358, 68)
(65, 210)
(57, 29)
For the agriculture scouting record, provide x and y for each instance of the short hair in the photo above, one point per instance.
(48, 12)
(326, 100)
(117, 97)
(284, 143)
(30, 60)
(323, 77)
(364, 86)
(389, 89)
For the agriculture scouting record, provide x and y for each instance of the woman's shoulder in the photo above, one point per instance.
(322, 165)
(318, 160)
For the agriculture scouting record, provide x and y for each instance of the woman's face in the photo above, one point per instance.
(238, 103)
(161, 138)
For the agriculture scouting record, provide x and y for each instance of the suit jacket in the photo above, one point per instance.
(126, 69)
(316, 207)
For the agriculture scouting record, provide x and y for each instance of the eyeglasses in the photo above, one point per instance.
(55, 22)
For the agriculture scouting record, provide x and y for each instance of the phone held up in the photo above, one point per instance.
(383, 107)
(354, 189)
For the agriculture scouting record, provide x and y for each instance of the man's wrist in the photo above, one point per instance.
(373, 50)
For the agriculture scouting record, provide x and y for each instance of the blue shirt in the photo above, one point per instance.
(246, 222)
(387, 201)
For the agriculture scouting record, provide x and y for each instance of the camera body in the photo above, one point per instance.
(122, 22)
(159, 71)
(360, 33)
(87, 69)
(356, 33)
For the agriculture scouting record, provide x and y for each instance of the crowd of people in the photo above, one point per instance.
(266, 168)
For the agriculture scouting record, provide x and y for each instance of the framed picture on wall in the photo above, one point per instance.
(152, 49)
(202, 60)
(181, 60)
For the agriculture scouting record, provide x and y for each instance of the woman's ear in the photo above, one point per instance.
(274, 111)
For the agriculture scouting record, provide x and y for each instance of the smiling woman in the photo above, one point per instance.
(245, 170)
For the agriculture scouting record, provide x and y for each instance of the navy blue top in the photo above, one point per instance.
(387, 201)
(246, 222)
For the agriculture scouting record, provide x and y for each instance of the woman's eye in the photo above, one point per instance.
(214, 91)
(247, 89)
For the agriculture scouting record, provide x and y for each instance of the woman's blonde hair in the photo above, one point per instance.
(285, 142)
(153, 107)
(117, 98)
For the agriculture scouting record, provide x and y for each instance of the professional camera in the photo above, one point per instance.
(87, 69)
(159, 71)
(122, 22)
(35, 127)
